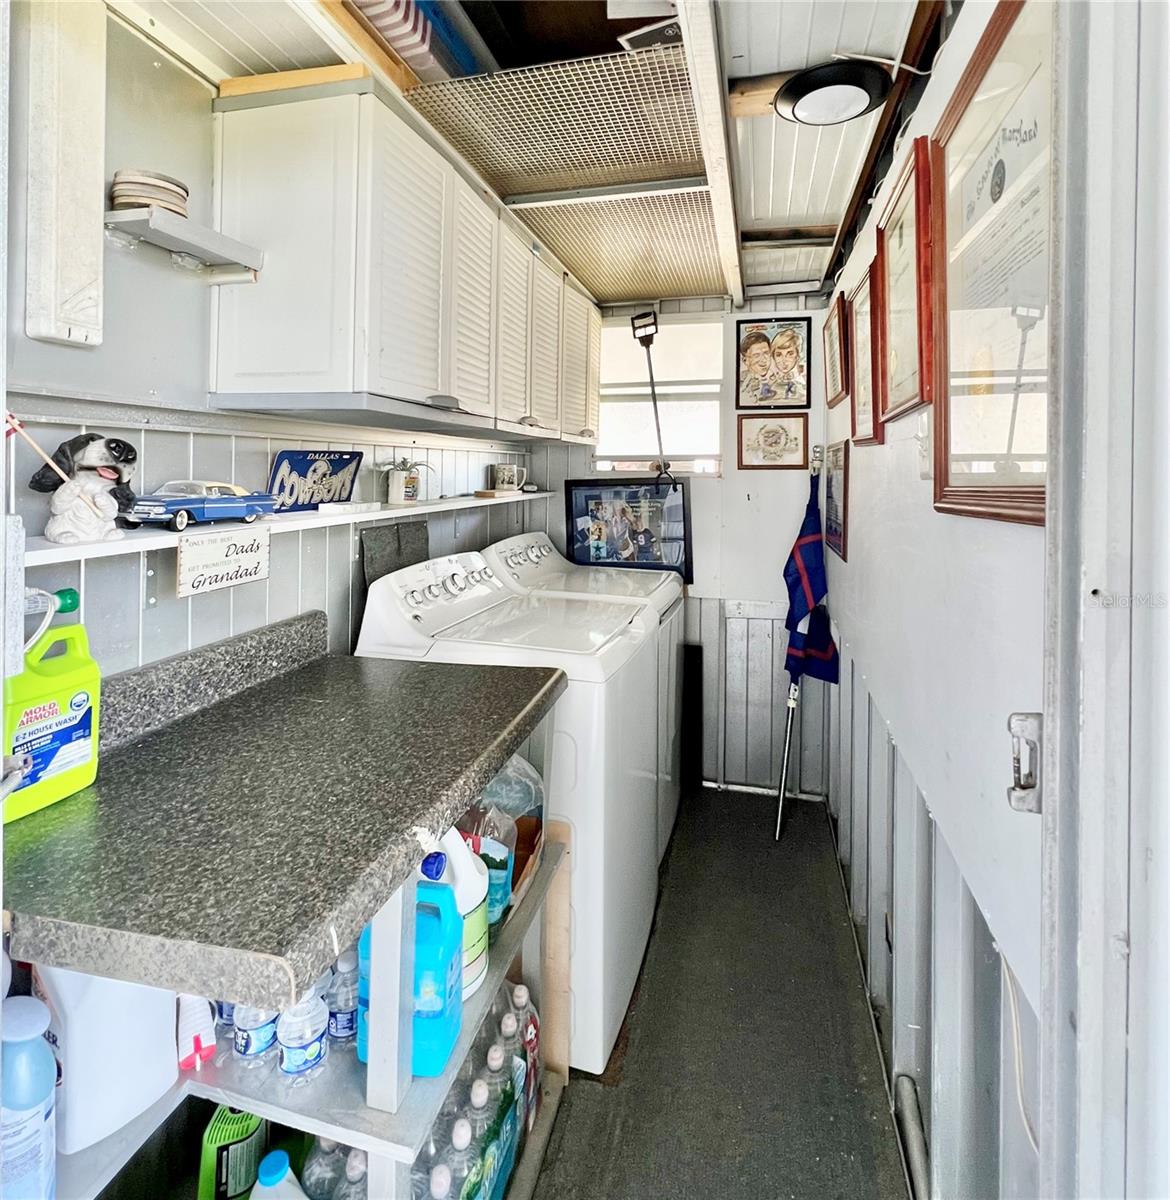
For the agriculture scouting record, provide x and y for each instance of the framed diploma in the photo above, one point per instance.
(833, 341)
(867, 366)
(904, 280)
(991, 167)
(837, 499)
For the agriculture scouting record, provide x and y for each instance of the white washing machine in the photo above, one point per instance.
(604, 770)
(530, 564)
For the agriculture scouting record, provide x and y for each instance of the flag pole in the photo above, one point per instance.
(818, 457)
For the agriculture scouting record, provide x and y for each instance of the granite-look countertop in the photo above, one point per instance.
(232, 853)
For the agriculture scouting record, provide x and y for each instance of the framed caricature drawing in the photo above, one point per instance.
(772, 369)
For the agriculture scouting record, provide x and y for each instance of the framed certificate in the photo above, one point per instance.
(867, 365)
(836, 363)
(991, 167)
(904, 274)
(837, 499)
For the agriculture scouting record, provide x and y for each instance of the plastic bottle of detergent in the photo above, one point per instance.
(275, 1180)
(301, 1035)
(51, 715)
(28, 1144)
(324, 1169)
(342, 1000)
(438, 978)
(468, 875)
(354, 1186)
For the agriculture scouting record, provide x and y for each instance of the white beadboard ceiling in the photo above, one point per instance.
(222, 39)
(789, 175)
(784, 264)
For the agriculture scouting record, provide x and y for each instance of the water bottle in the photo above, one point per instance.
(224, 1014)
(510, 1037)
(254, 1035)
(479, 1111)
(323, 983)
(439, 1183)
(323, 1170)
(28, 1144)
(363, 997)
(353, 1186)
(342, 999)
(498, 1072)
(462, 1157)
(300, 1033)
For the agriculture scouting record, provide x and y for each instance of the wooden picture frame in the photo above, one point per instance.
(778, 379)
(837, 498)
(1002, 199)
(866, 362)
(775, 441)
(906, 297)
(834, 342)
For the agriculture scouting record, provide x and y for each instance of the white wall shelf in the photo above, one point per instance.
(334, 1105)
(181, 235)
(40, 551)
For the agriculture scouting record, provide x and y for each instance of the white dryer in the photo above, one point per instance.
(604, 771)
(530, 564)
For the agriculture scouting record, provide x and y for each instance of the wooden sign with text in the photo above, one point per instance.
(210, 561)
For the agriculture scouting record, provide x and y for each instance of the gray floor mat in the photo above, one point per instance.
(750, 1069)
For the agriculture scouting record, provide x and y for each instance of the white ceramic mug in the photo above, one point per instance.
(509, 477)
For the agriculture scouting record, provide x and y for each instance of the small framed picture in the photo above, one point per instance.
(836, 362)
(772, 365)
(904, 288)
(837, 498)
(773, 442)
(867, 364)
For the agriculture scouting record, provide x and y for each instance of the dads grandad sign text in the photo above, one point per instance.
(209, 561)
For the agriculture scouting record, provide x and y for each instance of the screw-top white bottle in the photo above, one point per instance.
(354, 1185)
(275, 1180)
(480, 1111)
(462, 1157)
(301, 1035)
(510, 1037)
(498, 1072)
(342, 1000)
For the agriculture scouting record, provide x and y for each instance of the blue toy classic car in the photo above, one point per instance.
(182, 502)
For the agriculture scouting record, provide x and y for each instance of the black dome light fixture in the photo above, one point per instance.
(832, 93)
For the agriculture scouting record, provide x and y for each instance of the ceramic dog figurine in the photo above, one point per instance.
(83, 507)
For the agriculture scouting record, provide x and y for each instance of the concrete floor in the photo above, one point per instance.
(748, 1066)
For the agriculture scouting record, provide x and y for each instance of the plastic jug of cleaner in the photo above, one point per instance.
(468, 875)
(86, 1011)
(51, 716)
(363, 996)
(28, 1079)
(233, 1144)
(275, 1180)
(438, 978)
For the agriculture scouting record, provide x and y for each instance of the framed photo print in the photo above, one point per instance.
(773, 442)
(837, 498)
(772, 362)
(992, 167)
(904, 266)
(836, 363)
(867, 366)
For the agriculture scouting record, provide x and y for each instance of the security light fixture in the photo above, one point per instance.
(645, 326)
(832, 93)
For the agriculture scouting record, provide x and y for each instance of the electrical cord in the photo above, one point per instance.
(46, 620)
(1017, 1048)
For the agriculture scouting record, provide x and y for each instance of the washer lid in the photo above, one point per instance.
(607, 581)
(571, 626)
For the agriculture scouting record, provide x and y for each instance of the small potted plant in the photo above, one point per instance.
(402, 480)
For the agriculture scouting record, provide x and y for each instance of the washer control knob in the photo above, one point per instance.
(473, 577)
(534, 554)
(488, 573)
(545, 551)
(454, 584)
(434, 591)
(414, 597)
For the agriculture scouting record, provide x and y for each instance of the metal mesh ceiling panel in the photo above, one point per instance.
(636, 248)
(622, 118)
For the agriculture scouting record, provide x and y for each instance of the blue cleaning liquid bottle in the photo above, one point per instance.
(28, 1142)
(438, 978)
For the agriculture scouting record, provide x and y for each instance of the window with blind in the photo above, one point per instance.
(688, 374)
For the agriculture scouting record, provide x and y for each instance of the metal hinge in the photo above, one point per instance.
(1027, 730)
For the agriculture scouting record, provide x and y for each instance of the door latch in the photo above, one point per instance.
(1027, 730)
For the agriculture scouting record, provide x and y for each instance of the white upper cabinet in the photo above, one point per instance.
(575, 365)
(544, 358)
(593, 386)
(513, 295)
(472, 307)
(404, 214)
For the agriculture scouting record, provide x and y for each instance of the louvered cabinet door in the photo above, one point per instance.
(545, 357)
(575, 364)
(593, 375)
(513, 284)
(473, 245)
(405, 222)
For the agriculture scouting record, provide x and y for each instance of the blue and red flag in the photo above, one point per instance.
(811, 651)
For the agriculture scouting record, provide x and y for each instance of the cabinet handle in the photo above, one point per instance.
(530, 421)
(589, 433)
